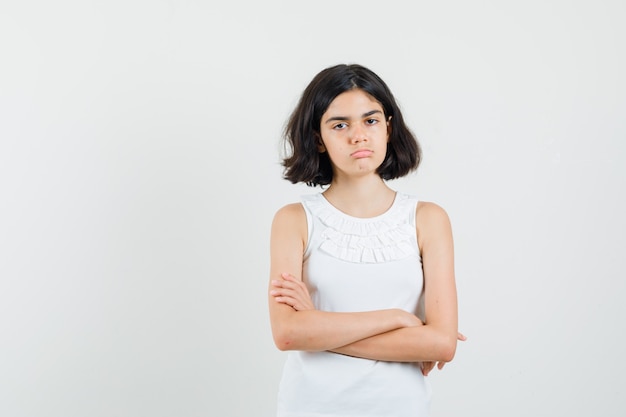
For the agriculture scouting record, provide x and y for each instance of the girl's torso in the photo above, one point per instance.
(357, 264)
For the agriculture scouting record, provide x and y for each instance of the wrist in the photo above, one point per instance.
(406, 319)
(401, 318)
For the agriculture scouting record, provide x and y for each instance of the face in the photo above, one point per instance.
(354, 133)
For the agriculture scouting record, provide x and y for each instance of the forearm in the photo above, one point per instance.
(315, 330)
(410, 344)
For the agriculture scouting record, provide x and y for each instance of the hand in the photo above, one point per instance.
(429, 366)
(292, 292)
(409, 319)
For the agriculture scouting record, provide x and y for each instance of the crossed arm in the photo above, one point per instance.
(388, 335)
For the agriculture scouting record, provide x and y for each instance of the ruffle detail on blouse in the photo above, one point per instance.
(385, 238)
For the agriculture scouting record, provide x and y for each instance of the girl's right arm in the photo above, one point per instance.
(311, 329)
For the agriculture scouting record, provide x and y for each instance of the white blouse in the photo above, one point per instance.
(358, 264)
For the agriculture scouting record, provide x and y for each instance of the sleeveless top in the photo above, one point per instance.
(357, 264)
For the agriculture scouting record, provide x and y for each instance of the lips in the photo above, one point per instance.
(361, 153)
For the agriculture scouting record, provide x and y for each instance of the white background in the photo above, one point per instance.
(139, 173)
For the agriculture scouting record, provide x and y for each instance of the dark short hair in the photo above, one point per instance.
(304, 162)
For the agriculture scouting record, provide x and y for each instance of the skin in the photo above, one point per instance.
(354, 133)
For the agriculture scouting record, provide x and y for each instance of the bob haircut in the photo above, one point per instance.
(304, 163)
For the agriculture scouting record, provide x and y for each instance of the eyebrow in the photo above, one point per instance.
(341, 118)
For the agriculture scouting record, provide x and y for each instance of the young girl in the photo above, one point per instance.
(362, 288)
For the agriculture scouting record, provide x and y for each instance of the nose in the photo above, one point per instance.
(357, 135)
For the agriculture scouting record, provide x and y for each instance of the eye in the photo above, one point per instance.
(371, 121)
(340, 126)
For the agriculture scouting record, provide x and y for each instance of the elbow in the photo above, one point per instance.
(284, 338)
(447, 349)
(447, 353)
(286, 341)
(283, 343)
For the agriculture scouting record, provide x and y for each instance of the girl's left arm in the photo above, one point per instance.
(436, 340)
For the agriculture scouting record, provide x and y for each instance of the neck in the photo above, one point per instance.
(361, 197)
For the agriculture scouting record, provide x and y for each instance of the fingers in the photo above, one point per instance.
(291, 291)
(427, 367)
(288, 288)
(283, 294)
(289, 282)
(440, 365)
(287, 276)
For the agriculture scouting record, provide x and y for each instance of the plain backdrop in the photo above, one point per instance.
(140, 170)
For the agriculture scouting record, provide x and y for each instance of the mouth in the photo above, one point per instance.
(361, 153)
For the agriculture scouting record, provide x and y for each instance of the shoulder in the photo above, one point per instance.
(429, 211)
(290, 215)
(289, 226)
(297, 211)
(431, 221)
(289, 210)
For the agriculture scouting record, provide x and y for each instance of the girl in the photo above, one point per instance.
(362, 288)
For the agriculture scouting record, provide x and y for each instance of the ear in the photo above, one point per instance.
(320, 145)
